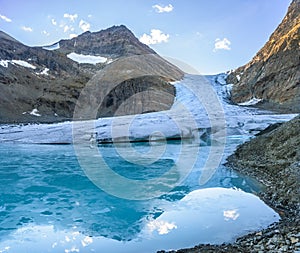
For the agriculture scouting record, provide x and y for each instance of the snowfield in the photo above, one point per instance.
(91, 59)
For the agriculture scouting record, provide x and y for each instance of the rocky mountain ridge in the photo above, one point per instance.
(114, 42)
(273, 75)
(43, 84)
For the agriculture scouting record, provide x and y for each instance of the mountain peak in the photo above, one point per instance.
(113, 42)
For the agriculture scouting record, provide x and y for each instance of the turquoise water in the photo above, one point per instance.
(48, 204)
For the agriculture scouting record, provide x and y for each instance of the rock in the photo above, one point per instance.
(276, 159)
(114, 42)
(52, 86)
(273, 75)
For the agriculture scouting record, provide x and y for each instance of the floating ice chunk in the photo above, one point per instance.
(91, 59)
(35, 112)
(252, 101)
(52, 47)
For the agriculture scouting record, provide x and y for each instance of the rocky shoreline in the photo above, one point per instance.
(272, 158)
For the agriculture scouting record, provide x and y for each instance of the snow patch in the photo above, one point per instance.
(221, 78)
(238, 77)
(91, 59)
(44, 72)
(52, 47)
(25, 64)
(4, 63)
(228, 89)
(252, 101)
(109, 61)
(35, 112)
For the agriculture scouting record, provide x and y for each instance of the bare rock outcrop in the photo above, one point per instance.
(273, 75)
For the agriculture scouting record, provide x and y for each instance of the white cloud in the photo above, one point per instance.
(84, 26)
(90, 15)
(68, 28)
(71, 17)
(27, 29)
(72, 35)
(53, 21)
(161, 9)
(223, 44)
(6, 19)
(231, 214)
(156, 36)
(45, 33)
(163, 227)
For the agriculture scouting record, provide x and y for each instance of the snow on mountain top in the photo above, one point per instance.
(91, 59)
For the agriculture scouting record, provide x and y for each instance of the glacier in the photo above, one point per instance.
(190, 116)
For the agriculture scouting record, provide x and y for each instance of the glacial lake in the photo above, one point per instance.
(49, 204)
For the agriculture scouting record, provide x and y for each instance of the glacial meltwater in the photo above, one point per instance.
(49, 204)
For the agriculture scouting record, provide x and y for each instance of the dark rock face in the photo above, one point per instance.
(54, 82)
(274, 73)
(129, 85)
(146, 93)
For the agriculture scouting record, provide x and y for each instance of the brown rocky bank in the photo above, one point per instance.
(272, 158)
(273, 75)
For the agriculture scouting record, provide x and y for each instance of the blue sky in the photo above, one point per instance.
(212, 36)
